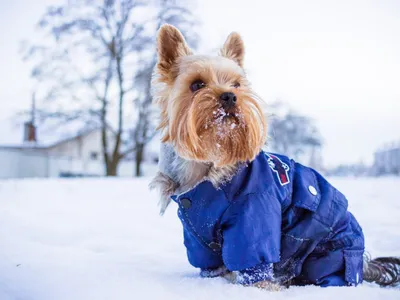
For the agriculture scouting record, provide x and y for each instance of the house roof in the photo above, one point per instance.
(11, 135)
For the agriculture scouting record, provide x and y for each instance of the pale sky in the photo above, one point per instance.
(336, 61)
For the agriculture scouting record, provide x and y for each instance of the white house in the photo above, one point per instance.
(78, 154)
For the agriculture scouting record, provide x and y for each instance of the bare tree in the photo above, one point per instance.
(293, 134)
(86, 68)
(144, 130)
(171, 12)
(95, 67)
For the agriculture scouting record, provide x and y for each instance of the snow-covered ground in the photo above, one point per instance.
(96, 239)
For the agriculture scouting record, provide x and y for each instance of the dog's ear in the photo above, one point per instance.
(170, 46)
(234, 48)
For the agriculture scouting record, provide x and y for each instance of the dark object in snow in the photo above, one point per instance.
(384, 271)
(76, 175)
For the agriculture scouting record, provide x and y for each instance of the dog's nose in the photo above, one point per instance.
(228, 100)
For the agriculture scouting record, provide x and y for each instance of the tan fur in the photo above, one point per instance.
(269, 286)
(265, 284)
(194, 122)
(171, 45)
(234, 48)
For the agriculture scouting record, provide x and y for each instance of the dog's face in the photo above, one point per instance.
(208, 111)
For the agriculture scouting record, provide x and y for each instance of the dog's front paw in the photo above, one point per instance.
(269, 286)
(217, 272)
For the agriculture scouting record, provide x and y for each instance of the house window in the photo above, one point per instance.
(94, 155)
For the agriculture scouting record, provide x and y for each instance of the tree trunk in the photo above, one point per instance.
(103, 114)
(115, 155)
(112, 168)
(104, 148)
(139, 159)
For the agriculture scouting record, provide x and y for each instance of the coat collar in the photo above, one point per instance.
(249, 177)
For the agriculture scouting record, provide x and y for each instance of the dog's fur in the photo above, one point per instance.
(195, 122)
(201, 139)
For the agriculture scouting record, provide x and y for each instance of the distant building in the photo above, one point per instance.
(387, 160)
(349, 170)
(78, 154)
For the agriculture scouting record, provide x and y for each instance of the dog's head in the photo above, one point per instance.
(208, 111)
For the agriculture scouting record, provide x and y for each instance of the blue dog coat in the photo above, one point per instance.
(274, 220)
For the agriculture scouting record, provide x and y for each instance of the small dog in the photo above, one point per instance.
(253, 217)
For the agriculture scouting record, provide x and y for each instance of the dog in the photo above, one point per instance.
(255, 218)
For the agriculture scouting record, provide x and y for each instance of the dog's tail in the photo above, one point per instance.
(384, 271)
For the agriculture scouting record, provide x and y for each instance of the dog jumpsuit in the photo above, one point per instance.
(275, 219)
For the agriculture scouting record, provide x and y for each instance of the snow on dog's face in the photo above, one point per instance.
(208, 111)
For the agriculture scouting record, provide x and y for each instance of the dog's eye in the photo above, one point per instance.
(236, 85)
(197, 85)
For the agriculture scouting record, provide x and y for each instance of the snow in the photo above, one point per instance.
(97, 239)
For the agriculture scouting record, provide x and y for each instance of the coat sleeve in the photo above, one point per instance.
(251, 230)
(199, 255)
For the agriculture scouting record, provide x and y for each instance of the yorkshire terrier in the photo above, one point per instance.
(253, 217)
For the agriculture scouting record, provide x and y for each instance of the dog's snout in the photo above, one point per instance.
(228, 100)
